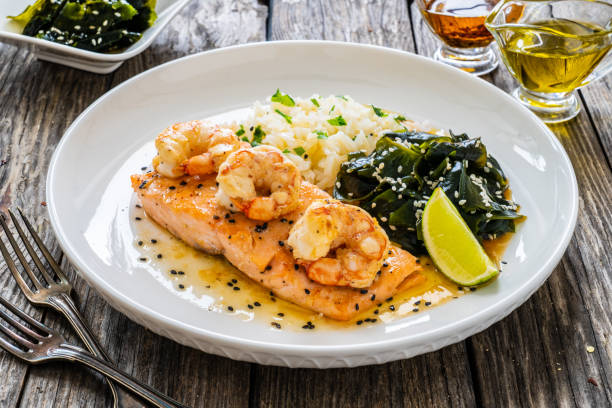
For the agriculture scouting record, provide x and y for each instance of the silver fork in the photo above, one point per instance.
(39, 343)
(54, 292)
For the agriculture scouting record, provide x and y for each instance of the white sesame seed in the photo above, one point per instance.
(93, 41)
(461, 202)
(486, 169)
(383, 219)
(456, 194)
(399, 169)
(117, 14)
(92, 27)
(392, 227)
(338, 184)
(105, 23)
(77, 27)
(95, 12)
(350, 194)
(488, 215)
(373, 205)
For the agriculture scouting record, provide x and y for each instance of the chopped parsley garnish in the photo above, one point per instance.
(258, 136)
(245, 139)
(282, 99)
(315, 102)
(332, 108)
(240, 131)
(399, 118)
(285, 116)
(286, 151)
(342, 97)
(378, 111)
(337, 121)
(321, 134)
(299, 150)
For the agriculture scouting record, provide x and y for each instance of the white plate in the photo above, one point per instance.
(88, 191)
(100, 63)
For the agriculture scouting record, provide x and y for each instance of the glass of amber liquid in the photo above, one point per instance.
(460, 25)
(552, 48)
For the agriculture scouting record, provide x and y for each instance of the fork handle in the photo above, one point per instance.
(64, 304)
(73, 353)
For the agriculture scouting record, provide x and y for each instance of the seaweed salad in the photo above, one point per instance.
(94, 25)
(394, 182)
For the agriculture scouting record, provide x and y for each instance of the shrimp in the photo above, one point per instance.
(260, 181)
(339, 244)
(193, 148)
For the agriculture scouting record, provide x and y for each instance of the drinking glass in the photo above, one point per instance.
(459, 24)
(552, 48)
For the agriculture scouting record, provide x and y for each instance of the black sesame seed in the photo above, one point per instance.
(296, 267)
(216, 217)
(250, 306)
(143, 168)
(236, 288)
(307, 291)
(418, 261)
(143, 259)
(416, 309)
(143, 184)
(200, 185)
(268, 267)
(376, 311)
(181, 286)
(138, 218)
(359, 322)
(234, 280)
(472, 289)
(181, 272)
(281, 314)
(363, 291)
(277, 325)
(356, 306)
(271, 293)
(373, 297)
(373, 320)
(257, 304)
(427, 303)
(172, 271)
(392, 308)
(283, 220)
(183, 183)
(138, 206)
(226, 216)
(418, 302)
(273, 299)
(290, 222)
(305, 326)
(281, 243)
(159, 256)
(459, 288)
(385, 265)
(172, 187)
(232, 221)
(231, 309)
(154, 241)
(230, 284)
(505, 263)
(229, 237)
(389, 299)
(139, 243)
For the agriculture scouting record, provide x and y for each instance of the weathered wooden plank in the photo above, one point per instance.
(436, 379)
(39, 101)
(598, 100)
(537, 356)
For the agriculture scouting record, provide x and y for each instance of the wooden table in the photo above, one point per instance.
(537, 356)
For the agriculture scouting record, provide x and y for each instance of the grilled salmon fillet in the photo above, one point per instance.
(188, 209)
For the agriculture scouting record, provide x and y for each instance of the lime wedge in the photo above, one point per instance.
(452, 245)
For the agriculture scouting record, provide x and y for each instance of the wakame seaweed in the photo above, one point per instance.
(95, 25)
(395, 181)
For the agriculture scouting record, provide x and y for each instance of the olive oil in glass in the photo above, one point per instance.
(552, 48)
(460, 25)
(558, 63)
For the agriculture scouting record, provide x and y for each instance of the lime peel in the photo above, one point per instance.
(452, 245)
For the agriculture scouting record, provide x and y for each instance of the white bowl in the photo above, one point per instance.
(88, 191)
(99, 63)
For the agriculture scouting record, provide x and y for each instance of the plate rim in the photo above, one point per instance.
(460, 329)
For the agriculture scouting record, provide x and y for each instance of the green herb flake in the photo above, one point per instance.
(332, 108)
(245, 139)
(285, 116)
(321, 134)
(283, 99)
(399, 119)
(286, 151)
(240, 131)
(337, 121)
(299, 150)
(378, 111)
(342, 97)
(258, 136)
(315, 102)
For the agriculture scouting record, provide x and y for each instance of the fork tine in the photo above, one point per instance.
(25, 317)
(11, 348)
(31, 250)
(11, 265)
(42, 247)
(17, 338)
(19, 254)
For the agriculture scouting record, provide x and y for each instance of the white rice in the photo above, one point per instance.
(322, 155)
